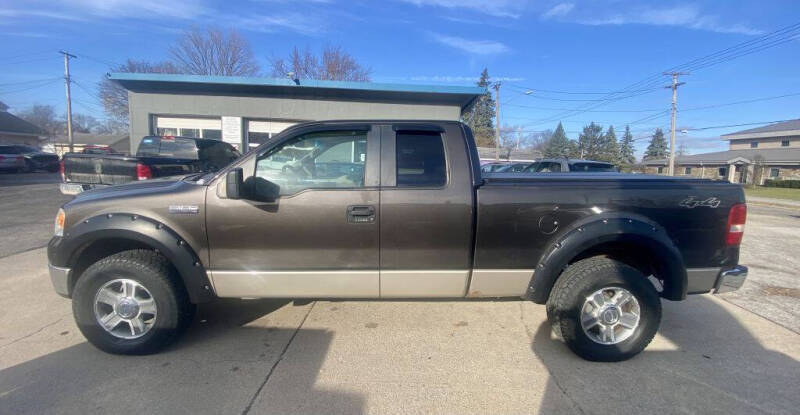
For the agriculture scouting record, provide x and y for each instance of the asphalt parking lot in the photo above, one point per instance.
(735, 353)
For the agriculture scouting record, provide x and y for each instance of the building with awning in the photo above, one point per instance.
(246, 111)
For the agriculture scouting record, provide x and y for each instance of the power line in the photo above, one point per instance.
(767, 41)
(28, 88)
(32, 81)
(534, 90)
(735, 125)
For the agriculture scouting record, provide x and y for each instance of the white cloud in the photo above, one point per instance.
(472, 47)
(560, 9)
(294, 22)
(497, 8)
(679, 16)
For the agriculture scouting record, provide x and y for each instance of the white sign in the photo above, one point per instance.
(232, 131)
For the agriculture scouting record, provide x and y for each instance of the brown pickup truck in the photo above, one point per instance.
(395, 209)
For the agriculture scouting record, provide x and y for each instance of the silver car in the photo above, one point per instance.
(10, 160)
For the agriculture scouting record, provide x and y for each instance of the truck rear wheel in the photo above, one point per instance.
(131, 303)
(604, 309)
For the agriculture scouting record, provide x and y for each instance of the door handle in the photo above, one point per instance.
(361, 214)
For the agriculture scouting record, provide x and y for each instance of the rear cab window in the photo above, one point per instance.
(592, 167)
(172, 147)
(420, 159)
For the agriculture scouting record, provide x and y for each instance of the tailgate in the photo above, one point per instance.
(99, 170)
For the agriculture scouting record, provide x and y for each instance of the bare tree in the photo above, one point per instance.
(115, 98)
(214, 52)
(334, 64)
(44, 117)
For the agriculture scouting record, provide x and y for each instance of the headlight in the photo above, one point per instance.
(61, 217)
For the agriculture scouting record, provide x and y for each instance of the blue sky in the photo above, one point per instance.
(583, 46)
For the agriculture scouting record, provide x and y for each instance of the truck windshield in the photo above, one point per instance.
(176, 147)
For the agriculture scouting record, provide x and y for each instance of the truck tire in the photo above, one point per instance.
(131, 303)
(604, 310)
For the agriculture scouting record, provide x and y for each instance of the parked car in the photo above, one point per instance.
(11, 160)
(513, 167)
(569, 165)
(493, 167)
(155, 157)
(399, 217)
(32, 158)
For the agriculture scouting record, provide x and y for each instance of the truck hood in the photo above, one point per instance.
(133, 189)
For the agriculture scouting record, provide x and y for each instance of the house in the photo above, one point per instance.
(246, 111)
(754, 155)
(15, 130)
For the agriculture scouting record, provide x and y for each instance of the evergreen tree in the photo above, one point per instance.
(626, 155)
(480, 116)
(590, 141)
(558, 145)
(609, 148)
(657, 149)
(574, 150)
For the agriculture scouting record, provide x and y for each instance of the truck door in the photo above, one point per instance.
(320, 237)
(426, 211)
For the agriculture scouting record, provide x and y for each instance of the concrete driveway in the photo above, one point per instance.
(386, 357)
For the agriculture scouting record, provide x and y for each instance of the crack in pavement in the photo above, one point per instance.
(31, 334)
(280, 357)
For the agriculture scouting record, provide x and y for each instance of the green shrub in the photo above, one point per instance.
(792, 184)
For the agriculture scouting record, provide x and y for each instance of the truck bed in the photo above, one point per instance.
(93, 169)
(519, 217)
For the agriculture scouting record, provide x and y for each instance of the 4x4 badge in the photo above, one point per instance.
(690, 202)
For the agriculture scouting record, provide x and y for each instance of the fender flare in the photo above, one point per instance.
(66, 250)
(608, 228)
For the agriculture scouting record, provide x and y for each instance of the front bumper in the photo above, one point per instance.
(59, 276)
(730, 280)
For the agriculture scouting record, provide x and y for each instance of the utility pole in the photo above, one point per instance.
(69, 99)
(674, 87)
(496, 87)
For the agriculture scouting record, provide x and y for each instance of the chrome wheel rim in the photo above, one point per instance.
(125, 308)
(610, 315)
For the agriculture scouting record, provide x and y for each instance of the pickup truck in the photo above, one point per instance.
(394, 210)
(156, 157)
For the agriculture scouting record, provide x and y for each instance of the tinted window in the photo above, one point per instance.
(420, 160)
(785, 143)
(324, 160)
(9, 150)
(215, 134)
(174, 147)
(216, 154)
(592, 167)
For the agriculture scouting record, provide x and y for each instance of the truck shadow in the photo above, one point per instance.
(704, 360)
(228, 362)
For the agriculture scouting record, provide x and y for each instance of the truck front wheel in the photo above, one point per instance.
(604, 310)
(131, 303)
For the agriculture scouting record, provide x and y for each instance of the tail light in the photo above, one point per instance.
(2, 158)
(20, 159)
(61, 170)
(143, 172)
(736, 219)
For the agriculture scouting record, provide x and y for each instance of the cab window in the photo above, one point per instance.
(420, 159)
(321, 160)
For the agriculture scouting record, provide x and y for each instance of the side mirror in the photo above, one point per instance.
(233, 184)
